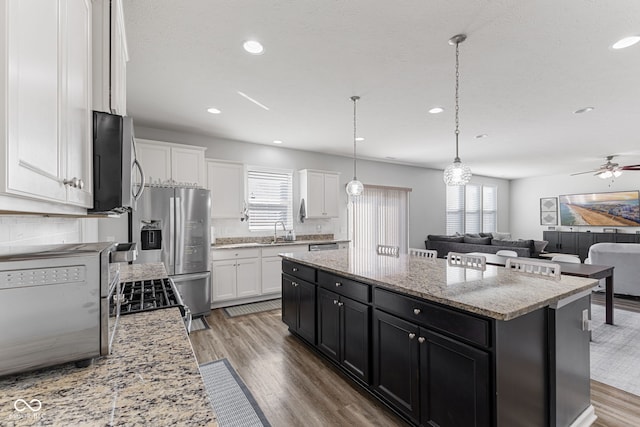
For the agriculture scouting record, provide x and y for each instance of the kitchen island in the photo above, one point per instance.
(443, 345)
(151, 378)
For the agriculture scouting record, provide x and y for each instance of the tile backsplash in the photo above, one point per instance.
(38, 230)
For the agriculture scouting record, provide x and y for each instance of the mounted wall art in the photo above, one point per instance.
(549, 211)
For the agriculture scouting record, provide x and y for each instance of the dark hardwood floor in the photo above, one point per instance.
(295, 387)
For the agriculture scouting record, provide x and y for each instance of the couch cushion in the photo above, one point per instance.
(501, 236)
(442, 238)
(514, 243)
(477, 240)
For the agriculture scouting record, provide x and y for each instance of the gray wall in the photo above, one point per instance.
(427, 200)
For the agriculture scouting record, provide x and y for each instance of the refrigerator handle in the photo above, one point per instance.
(136, 194)
(172, 246)
(179, 236)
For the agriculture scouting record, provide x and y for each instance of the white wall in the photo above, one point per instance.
(526, 194)
(427, 210)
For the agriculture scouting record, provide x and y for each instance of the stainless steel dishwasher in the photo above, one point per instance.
(323, 247)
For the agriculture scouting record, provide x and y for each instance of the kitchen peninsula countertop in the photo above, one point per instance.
(151, 378)
(496, 293)
(279, 243)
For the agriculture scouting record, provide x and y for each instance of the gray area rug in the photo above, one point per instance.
(256, 307)
(231, 399)
(615, 349)
(199, 324)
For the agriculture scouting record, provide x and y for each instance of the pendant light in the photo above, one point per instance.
(457, 173)
(354, 187)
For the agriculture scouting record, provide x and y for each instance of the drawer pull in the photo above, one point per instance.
(294, 269)
(411, 335)
(421, 340)
(294, 283)
(416, 311)
(338, 284)
(335, 301)
(340, 304)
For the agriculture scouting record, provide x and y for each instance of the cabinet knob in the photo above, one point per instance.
(340, 304)
(421, 340)
(73, 182)
(294, 269)
(411, 335)
(294, 283)
(80, 184)
(338, 284)
(335, 301)
(416, 311)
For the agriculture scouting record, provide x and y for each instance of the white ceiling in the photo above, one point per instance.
(524, 69)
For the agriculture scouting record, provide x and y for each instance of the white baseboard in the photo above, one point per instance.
(587, 418)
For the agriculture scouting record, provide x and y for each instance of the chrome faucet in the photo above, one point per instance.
(275, 230)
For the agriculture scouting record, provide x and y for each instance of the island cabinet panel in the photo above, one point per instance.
(461, 325)
(301, 271)
(343, 286)
(299, 307)
(343, 332)
(454, 382)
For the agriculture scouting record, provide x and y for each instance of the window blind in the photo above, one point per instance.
(380, 216)
(270, 198)
(471, 208)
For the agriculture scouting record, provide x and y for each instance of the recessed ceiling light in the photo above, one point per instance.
(359, 139)
(583, 110)
(626, 42)
(253, 47)
(482, 135)
(277, 141)
(213, 110)
(436, 110)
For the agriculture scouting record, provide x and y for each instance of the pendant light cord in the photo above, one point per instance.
(457, 159)
(355, 100)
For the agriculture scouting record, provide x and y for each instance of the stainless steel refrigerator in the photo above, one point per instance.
(171, 225)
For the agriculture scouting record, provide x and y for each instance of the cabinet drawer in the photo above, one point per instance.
(221, 254)
(302, 271)
(462, 325)
(278, 249)
(343, 286)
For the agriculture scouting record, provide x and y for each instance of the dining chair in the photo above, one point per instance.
(477, 262)
(566, 258)
(388, 250)
(423, 253)
(544, 269)
(506, 252)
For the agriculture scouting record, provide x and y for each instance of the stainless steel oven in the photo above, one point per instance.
(54, 305)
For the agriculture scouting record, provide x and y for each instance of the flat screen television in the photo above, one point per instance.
(614, 209)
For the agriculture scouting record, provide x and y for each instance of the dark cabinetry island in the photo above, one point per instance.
(446, 346)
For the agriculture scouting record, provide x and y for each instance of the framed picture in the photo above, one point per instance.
(549, 211)
(548, 218)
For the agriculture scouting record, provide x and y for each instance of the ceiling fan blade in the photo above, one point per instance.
(631, 168)
(582, 173)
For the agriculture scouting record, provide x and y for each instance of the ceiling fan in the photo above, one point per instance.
(610, 169)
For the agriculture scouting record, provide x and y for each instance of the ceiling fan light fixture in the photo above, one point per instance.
(456, 173)
(605, 175)
(626, 42)
(617, 173)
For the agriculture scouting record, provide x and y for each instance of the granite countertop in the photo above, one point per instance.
(496, 293)
(151, 270)
(151, 378)
(280, 243)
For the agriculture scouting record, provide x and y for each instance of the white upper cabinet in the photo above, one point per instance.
(320, 190)
(164, 162)
(110, 57)
(226, 182)
(45, 122)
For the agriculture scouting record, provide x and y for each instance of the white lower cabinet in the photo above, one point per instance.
(241, 276)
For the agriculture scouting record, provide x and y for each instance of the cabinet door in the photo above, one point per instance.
(35, 159)
(248, 277)
(329, 324)
(553, 237)
(223, 280)
(75, 114)
(155, 160)
(315, 195)
(271, 271)
(454, 382)
(395, 363)
(307, 311)
(226, 182)
(568, 243)
(290, 302)
(119, 59)
(331, 195)
(626, 238)
(584, 242)
(187, 166)
(354, 353)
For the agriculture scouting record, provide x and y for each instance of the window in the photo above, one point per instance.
(380, 216)
(472, 208)
(270, 198)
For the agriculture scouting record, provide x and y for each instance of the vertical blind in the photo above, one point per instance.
(380, 216)
(471, 208)
(270, 198)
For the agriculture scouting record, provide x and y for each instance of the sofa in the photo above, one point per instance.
(625, 258)
(483, 242)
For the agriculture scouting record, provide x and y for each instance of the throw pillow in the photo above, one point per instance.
(441, 238)
(501, 236)
(514, 243)
(478, 240)
(539, 245)
(472, 235)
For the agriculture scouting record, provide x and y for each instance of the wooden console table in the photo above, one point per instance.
(589, 271)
